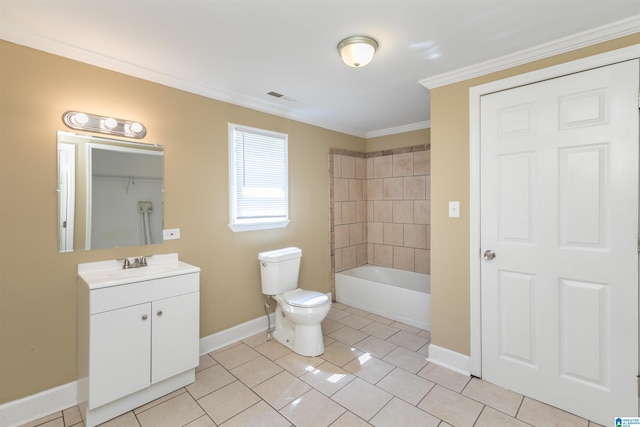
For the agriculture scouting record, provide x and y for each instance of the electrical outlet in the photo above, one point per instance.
(171, 233)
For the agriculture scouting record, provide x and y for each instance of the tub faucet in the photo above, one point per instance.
(125, 263)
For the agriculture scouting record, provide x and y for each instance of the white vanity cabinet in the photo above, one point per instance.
(138, 335)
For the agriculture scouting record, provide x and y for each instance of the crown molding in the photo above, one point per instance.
(18, 36)
(586, 38)
(399, 129)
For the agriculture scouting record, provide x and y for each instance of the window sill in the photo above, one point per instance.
(253, 226)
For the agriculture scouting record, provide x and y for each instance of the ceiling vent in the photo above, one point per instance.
(281, 96)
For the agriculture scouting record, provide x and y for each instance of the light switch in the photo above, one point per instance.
(454, 209)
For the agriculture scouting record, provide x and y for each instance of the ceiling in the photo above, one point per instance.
(239, 50)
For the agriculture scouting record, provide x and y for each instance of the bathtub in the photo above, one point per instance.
(400, 295)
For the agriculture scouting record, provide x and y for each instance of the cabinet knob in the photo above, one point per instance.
(160, 313)
(144, 317)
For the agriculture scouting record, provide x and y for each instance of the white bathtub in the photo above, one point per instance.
(400, 295)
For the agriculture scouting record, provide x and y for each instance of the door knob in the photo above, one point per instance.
(489, 255)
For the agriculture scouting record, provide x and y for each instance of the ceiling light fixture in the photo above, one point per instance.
(357, 51)
(102, 124)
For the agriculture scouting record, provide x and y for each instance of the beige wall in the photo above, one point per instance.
(38, 285)
(450, 181)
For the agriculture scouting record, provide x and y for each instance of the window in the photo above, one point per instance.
(258, 179)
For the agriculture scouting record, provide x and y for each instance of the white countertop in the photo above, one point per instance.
(101, 274)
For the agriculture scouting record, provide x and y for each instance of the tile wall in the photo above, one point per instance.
(380, 208)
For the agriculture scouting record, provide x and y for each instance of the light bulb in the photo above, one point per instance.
(135, 127)
(80, 119)
(110, 123)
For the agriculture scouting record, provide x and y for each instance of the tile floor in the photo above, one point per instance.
(373, 372)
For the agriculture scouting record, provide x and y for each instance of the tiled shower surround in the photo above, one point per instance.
(380, 208)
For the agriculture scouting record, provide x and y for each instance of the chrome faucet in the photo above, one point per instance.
(137, 262)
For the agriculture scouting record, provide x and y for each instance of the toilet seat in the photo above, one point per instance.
(305, 299)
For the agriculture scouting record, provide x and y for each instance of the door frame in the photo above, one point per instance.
(475, 94)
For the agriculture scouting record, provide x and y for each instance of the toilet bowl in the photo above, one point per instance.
(299, 313)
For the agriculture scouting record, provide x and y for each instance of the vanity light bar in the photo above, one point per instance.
(102, 124)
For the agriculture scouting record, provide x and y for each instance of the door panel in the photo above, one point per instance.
(175, 335)
(120, 351)
(517, 333)
(515, 196)
(585, 356)
(583, 197)
(559, 207)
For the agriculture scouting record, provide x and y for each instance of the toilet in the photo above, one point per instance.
(299, 313)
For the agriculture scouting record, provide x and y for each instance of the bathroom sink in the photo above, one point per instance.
(141, 271)
(110, 273)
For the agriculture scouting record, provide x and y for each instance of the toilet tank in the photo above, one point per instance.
(279, 270)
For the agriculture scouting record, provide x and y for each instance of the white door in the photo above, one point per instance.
(559, 209)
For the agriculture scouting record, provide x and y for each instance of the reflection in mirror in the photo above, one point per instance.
(110, 193)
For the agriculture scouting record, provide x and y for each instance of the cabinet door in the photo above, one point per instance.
(119, 353)
(175, 335)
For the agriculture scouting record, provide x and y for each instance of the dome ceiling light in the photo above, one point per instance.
(357, 51)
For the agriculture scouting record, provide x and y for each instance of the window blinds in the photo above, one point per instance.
(261, 184)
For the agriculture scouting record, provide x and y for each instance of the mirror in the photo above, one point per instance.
(110, 193)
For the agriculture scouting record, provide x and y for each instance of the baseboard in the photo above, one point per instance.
(234, 334)
(458, 362)
(47, 402)
(30, 408)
